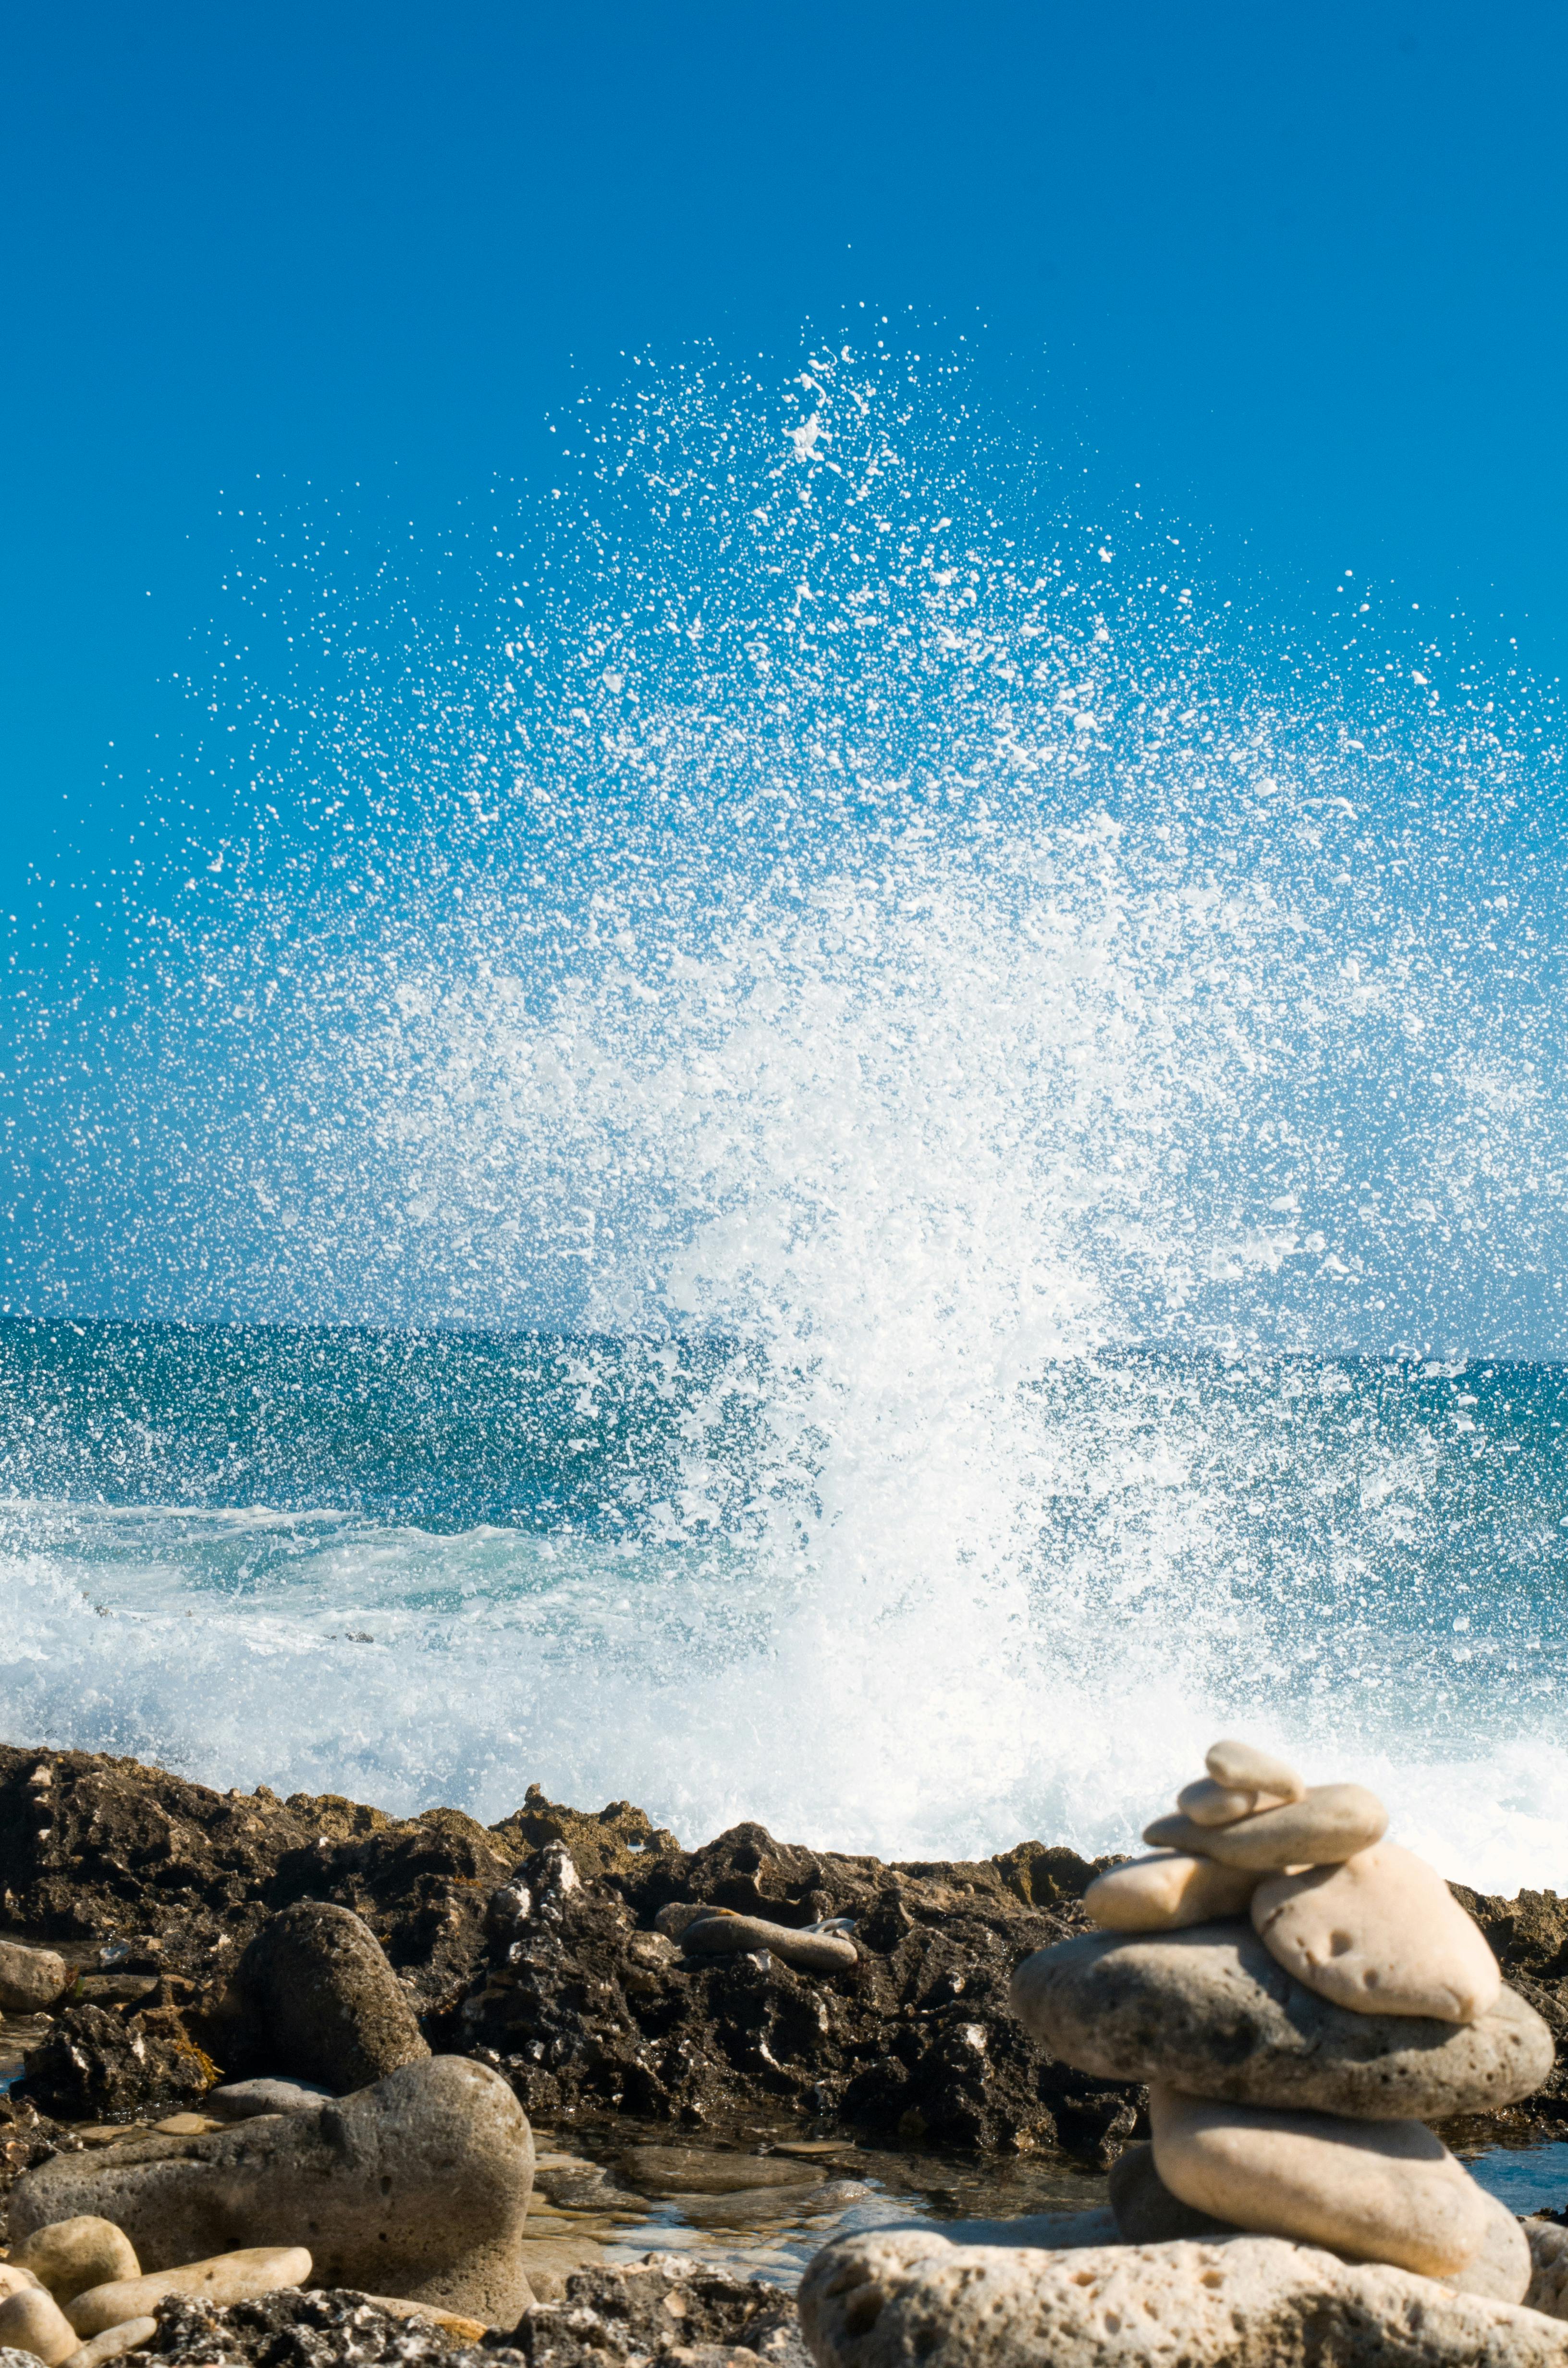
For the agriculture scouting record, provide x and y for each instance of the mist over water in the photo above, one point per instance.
(1020, 1109)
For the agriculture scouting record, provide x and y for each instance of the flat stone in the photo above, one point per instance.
(1329, 1822)
(131, 2335)
(1208, 1804)
(33, 2321)
(1163, 1893)
(1377, 2191)
(319, 1989)
(1243, 1767)
(228, 2277)
(888, 2298)
(30, 1979)
(1148, 2214)
(466, 2330)
(241, 2100)
(69, 2256)
(421, 2182)
(1381, 1933)
(698, 2171)
(809, 1953)
(1210, 2011)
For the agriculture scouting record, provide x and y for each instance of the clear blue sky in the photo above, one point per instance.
(1298, 270)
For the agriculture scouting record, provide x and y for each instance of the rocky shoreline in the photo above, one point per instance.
(212, 1957)
(535, 1946)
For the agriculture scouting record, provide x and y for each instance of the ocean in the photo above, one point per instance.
(823, 1139)
(443, 1564)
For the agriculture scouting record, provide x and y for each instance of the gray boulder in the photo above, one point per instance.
(890, 2299)
(1209, 2012)
(417, 2187)
(323, 2001)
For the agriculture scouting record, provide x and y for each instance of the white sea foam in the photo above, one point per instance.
(849, 937)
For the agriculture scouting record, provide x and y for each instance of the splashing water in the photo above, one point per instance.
(977, 1118)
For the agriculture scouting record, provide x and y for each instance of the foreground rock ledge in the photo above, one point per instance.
(1255, 2302)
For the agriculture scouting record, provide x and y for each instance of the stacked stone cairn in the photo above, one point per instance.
(1302, 1996)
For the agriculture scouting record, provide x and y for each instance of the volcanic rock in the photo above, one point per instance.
(420, 2183)
(318, 1991)
(1210, 2012)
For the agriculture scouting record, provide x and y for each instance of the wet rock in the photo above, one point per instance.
(241, 2100)
(30, 1979)
(318, 1988)
(882, 2301)
(698, 2171)
(99, 2066)
(420, 2182)
(1210, 2012)
(69, 2256)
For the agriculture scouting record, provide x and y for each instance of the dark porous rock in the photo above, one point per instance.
(418, 2186)
(1210, 2011)
(322, 2001)
(1147, 2213)
(663, 2308)
(98, 2066)
(318, 2329)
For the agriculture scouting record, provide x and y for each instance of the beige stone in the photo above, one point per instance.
(1329, 1822)
(30, 1979)
(1245, 1769)
(13, 2279)
(33, 2321)
(1208, 1804)
(1163, 1893)
(1503, 2268)
(1376, 2190)
(69, 2256)
(131, 2335)
(228, 2277)
(889, 2297)
(1381, 1933)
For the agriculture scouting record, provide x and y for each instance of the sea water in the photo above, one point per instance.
(839, 1151)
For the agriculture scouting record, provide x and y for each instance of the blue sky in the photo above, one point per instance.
(1286, 282)
(1297, 271)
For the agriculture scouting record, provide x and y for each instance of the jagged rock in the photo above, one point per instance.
(99, 2066)
(324, 2002)
(883, 2301)
(1210, 2012)
(420, 2183)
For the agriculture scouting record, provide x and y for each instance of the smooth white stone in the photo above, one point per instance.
(1245, 1769)
(1208, 1804)
(227, 2277)
(1373, 2190)
(33, 2321)
(1161, 1894)
(1381, 1933)
(1329, 1822)
(131, 2335)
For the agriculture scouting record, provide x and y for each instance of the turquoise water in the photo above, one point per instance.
(445, 1565)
